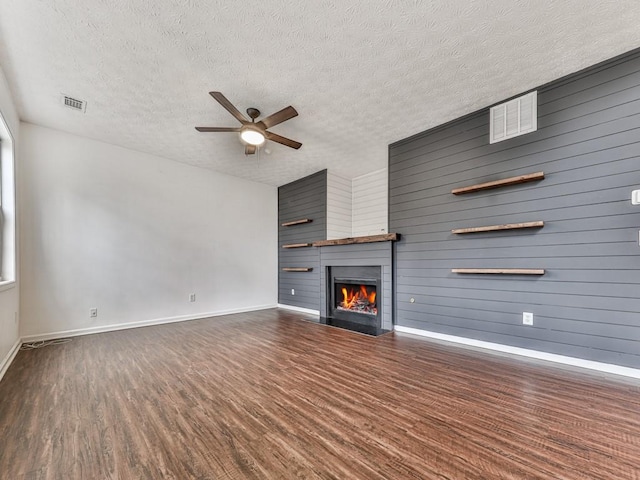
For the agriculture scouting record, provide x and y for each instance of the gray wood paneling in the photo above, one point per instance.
(304, 198)
(588, 145)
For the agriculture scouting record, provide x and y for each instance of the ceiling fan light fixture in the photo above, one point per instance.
(252, 135)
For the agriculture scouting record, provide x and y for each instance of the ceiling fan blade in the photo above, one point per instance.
(283, 140)
(249, 149)
(218, 129)
(279, 117)
(222, 100)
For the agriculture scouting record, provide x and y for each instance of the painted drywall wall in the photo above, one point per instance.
(9, 294)
(133, 235)
(587, 304)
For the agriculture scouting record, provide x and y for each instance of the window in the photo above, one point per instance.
(1, 214)
(7, 207)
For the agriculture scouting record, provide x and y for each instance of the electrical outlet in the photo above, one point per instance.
(293, 291)
(192, 297)
(527, 318)
(93, 312)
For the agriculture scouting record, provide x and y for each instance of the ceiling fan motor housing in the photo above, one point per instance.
(253, 113)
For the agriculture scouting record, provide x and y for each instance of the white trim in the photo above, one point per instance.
(8, 359)
(7, 285)
(299, 309)
(143, 323)
(8, 205)
(525, 352)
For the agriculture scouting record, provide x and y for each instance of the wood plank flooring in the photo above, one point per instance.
(266, 395)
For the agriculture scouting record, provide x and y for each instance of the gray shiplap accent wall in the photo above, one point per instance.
(588, 144)
(360, 255)
(304, 198)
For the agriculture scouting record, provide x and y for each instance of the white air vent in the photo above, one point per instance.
(74, 103)
(515, 117)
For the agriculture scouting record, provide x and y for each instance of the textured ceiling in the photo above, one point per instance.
(362, 74)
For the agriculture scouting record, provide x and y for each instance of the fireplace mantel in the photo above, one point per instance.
(387, 237)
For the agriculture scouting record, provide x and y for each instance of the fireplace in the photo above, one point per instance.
(354, 297)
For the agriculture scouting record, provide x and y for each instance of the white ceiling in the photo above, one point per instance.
(361, 73)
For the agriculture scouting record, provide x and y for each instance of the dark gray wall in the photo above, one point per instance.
(304, 198)
(588, 144)
(360, 255)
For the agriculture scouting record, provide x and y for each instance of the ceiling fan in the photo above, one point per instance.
(251, 132)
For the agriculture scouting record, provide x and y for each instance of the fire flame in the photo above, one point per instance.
(359, 299)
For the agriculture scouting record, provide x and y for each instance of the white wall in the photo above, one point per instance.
(133, 235)
(370, 204)
(338, 207)
(9, 297)
(357, 207)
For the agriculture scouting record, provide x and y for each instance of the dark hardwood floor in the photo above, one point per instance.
(266, 395)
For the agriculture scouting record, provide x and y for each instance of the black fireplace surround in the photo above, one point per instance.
(365, 316)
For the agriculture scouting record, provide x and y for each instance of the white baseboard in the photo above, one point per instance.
(524, 352)
(299, 309)
(6, 361)
(143, 323)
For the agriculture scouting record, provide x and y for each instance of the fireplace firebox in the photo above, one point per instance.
(358, 297)
(354, 297)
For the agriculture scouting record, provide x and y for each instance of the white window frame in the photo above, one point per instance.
(8, 251)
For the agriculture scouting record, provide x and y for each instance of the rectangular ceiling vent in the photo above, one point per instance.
(74, 103)
(513, 118)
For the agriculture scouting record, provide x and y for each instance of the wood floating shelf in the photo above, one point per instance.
(296, 245)
(494, 228)
(529, 177)
(297, 269)
(500, 271)
(296, 222)
(387, 237)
